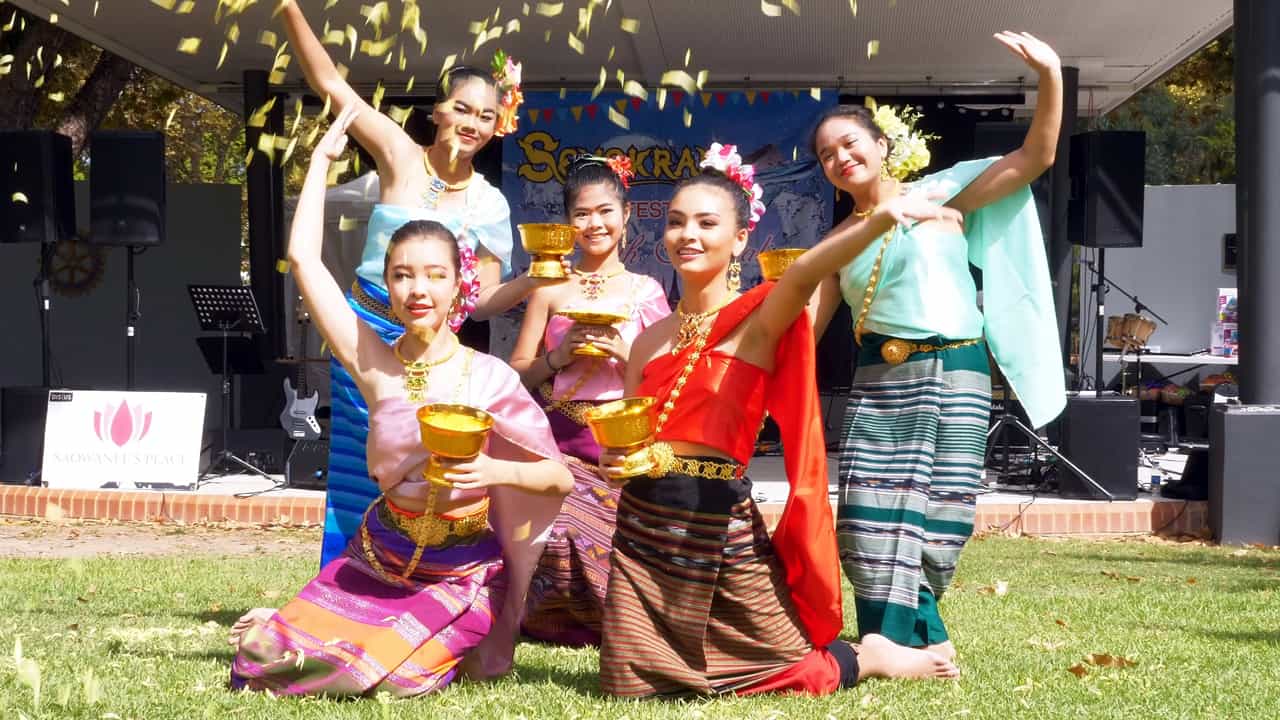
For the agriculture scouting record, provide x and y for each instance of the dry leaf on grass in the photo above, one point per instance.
(1060, 622)
(1079, 670)
(1106, 660)
(999, 589)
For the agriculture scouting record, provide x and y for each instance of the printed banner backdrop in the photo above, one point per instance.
(122, 440)
(770, 129)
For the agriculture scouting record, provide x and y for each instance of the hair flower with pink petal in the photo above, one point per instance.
(506, 74)
(725, 158)
(468, 287)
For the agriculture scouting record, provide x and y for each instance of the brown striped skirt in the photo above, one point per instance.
(697, 602)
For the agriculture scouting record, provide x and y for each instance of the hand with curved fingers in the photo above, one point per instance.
(1034, 52)
(334, 141)
(611, 468)
(917, 207)
(476, 473)
(609, 339)
(561, 356)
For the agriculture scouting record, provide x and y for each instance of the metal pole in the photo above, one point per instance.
(1060, 249)
(131, 319)
(1257, 51)
(1099, 290)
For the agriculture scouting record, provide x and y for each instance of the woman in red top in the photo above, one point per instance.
(700, 599)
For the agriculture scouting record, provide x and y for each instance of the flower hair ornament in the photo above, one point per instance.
(726, 159)
(468, 287)
(506, 74)
(620, 165)
(910, 147)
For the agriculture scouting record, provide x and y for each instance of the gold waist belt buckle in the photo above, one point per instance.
(895, 351)
(666, 462)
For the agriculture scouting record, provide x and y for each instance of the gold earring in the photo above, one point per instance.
(734, 280)
(884, 170)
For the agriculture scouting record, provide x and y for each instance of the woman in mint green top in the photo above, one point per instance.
(915, 430)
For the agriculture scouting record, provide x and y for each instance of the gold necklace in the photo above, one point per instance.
(860, 214)
(450, 187)
(416, 371)
(691, 329)
(592, 283)
(437, 187)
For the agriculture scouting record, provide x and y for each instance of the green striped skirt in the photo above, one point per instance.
(911, 460)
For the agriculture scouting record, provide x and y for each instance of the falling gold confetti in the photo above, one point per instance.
(630, 25)
(680, 79)
(688, 53)
(345, 223)
(662, 98)
(619, 119)
(815, 93)
(599, 85)
(635, 90)
(189, 45)
(853, 7)
(688, 117)
(769, 9)
(873, 48)
(56, 97)
(268, 38)
(20, 198)
(169, 120)
(222, 57)
(549, 9)
(576, 44)
(792, 5)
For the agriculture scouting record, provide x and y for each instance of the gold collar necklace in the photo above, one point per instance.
(416, 371)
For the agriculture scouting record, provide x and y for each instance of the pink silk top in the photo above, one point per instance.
(645, 305)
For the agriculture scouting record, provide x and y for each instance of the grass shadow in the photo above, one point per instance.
(1265, 637)
(586, 684)
(1257, 561)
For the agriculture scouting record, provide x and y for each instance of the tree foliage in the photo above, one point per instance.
(1189, 119)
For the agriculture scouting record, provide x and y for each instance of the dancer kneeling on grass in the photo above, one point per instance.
(566, 598)
(700, 599)
(434, 573)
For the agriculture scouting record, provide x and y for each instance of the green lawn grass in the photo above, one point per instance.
(144, 638)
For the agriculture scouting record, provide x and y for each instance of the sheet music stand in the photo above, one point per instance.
(226, 309)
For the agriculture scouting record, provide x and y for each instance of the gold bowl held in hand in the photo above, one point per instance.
(457, 432)
(775, 262)
(547, 244)
(587, 317)
(625, 427)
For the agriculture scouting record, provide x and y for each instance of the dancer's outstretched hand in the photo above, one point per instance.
(918, 207)
(1033, 51)
(334, 140)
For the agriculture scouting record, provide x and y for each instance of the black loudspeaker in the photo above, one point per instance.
(37, 164)
(1100, 435)
(126, 188)
(1244, 486)
(308, 465)
(1108, 172)
(22, 413)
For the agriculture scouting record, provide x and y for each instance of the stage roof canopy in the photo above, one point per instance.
(925, 48)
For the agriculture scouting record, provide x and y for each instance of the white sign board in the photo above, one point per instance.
(122, 440)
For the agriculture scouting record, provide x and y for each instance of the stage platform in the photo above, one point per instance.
(216, 501)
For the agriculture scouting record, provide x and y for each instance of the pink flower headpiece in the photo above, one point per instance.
(726, 159)
(506, 73)
(621, 166)
(468, 287)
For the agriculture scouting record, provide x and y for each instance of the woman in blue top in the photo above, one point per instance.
(438, 183)
(916, 426)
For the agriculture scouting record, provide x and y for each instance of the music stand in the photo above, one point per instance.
(226, 309)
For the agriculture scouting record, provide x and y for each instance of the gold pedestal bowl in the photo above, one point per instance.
(775, 262)
(587, 317)
(457, 432)
(626, 427)
(547, 244)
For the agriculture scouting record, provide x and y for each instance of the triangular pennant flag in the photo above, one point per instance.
(706, 99)
(547, 114)
(592, 109)
(577, 113)
(533, 116)
(636, 103)
(621, 105)
(764, 96)
(720, 97)
(751, 97)
(677, 97)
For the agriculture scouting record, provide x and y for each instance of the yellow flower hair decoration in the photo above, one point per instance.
(910, 147)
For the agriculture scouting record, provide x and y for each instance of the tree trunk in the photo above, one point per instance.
(86, 111)
(22, 102)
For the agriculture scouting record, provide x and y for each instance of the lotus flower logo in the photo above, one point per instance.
(121, 424)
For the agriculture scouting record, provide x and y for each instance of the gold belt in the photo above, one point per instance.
(372, 304)
(895, 351)
(575, 410)
(666, 462)
(425, 530)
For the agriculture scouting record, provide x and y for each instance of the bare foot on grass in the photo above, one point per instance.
(878, 656)
(256, 616)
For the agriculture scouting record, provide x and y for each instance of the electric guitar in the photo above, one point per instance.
(299, 415)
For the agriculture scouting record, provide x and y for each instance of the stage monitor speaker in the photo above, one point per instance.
(37, 196)
(1108, 172)
(22, 413)
(308, 464)
(127, 188)
(1100, 435)
(1244, 487)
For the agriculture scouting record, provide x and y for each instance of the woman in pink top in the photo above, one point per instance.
(566, 598)
(434, 574)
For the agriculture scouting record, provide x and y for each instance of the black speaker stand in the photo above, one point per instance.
(1010, 420)
(133, 313)
(46, 310)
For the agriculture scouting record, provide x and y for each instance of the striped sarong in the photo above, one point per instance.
(910, 468)
(350, 489)
(566, 596)
(350, 633)
(697, 602)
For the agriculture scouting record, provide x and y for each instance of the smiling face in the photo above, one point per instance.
(702, 233)
(849, 152)
(469, 115)
(600, 217)
(422, 281)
